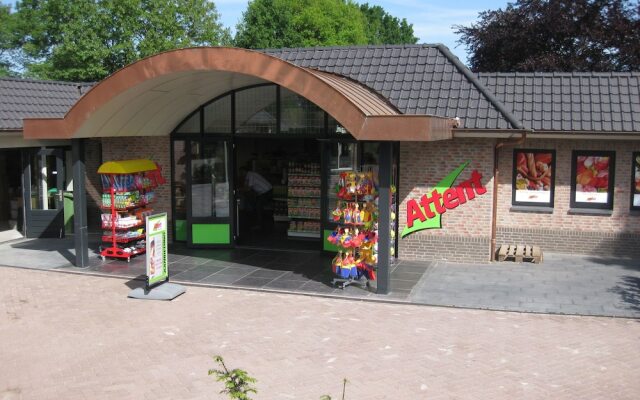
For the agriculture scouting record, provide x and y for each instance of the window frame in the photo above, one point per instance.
(514, 173)
(574, 204)
(634, 155)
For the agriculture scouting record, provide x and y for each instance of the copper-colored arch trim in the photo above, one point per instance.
(361, 111)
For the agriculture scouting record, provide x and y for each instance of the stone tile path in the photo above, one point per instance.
(71, 336)
(563, 284)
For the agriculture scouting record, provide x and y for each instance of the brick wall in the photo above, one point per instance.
(560, 231)
(466, 231)
(156, 148)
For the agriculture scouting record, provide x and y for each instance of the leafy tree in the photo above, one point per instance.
(384, 28)
(86, 40)
(300, 23)
(556, 35)
(7, 40)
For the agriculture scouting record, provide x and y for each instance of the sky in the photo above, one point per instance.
(432, 19)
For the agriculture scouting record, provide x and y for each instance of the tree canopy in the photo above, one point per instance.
(303, 23)
(556, 35)
(383, 28)
(7, 44)
(86, 40)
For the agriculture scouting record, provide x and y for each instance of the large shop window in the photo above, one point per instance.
(257, 110)
(533, 177)
(592, 179)
(635, 181)
(179, 188)
(299, 115)
(217, 116)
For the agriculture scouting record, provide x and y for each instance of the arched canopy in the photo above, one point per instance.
(150, 97)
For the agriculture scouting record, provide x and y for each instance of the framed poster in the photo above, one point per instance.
(157, 262)
(533, 177)
(592, 179)
(635, 181)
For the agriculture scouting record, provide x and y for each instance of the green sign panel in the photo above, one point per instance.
(157, 262)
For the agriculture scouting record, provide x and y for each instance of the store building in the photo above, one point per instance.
(564, 147)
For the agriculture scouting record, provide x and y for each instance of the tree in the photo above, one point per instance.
(383, 28)
(556, 35)
(300, 23)
(86, 40)
(7, 40)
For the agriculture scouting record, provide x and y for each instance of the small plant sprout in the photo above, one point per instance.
(237, 382)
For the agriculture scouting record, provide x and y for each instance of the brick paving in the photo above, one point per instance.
(76, 336)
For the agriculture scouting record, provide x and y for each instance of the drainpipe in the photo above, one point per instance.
(496, 174)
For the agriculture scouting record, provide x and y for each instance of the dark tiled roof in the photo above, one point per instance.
(579, 101)
(417, 79)
(22, 98)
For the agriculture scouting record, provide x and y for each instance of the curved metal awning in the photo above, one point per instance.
(150, 97)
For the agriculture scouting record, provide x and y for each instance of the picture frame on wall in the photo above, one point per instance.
(533, 179)
(635, 181)
(592, 179)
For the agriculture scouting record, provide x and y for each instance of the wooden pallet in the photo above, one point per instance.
(520, 253)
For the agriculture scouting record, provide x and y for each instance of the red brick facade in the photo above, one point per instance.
(466, 230)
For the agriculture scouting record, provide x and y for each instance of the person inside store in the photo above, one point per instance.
(258, 193)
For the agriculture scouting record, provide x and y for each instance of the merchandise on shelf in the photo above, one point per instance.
(128, 189)
(305, 226)
(304, 168)
(357, 235)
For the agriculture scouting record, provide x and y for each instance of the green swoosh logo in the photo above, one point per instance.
(435, 223)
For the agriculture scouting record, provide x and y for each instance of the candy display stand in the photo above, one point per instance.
(357, 234)
(127, 190)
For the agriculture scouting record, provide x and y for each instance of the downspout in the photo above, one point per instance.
(496, 174)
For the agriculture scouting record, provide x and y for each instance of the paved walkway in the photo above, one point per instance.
(563, 284)
(73, 337)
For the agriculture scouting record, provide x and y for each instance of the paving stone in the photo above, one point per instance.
(56, 345)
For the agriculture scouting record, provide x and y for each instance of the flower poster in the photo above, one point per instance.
(592, 179)
(533, 177)
(636, 180)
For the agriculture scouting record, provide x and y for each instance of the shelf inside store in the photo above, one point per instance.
(314, 235)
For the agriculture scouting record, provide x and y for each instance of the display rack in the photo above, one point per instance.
(303, 200)
(356, 213)
(127, 190)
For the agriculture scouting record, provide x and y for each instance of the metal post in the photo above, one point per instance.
(384, 216)
(81, 234)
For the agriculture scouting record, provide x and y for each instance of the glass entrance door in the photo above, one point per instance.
(209, 207)
(44, 184)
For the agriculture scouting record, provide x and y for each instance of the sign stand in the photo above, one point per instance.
(157, 286)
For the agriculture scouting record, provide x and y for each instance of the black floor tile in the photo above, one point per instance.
(285, 284)
(192, 275)
(239, 271)
(252, 282)
(220, 279)
(266, 273)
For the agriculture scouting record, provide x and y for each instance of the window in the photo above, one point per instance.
(635, 181)
(217, 116)
(191, 125)
(533, 177)
(592, 176)
(299, 115)
(256, 110)
(179, 188)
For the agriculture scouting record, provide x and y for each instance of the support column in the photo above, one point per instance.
(384, 216)
(81, 233)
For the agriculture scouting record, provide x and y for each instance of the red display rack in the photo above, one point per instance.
(125, 178)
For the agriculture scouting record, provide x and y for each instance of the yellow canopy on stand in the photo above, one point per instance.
(127, 166)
